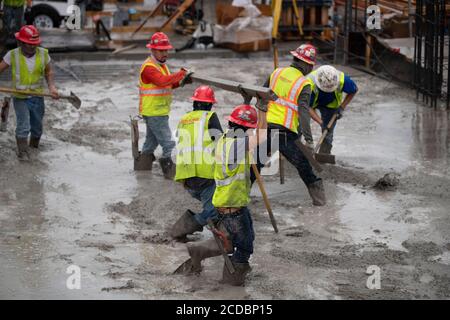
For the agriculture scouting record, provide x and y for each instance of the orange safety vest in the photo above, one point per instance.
(287, 83)
(153, 100)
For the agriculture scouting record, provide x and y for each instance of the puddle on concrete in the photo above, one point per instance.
(371, 215)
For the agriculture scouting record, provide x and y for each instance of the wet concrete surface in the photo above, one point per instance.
(80, 203)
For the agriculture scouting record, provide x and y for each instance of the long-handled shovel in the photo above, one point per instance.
(324, 157)
(265, 197)
(73, 99)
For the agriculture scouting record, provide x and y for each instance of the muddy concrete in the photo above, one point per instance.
(80, 203)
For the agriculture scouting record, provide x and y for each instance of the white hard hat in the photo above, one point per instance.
(327, 78)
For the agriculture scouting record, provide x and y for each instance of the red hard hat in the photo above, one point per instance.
(159, 41)
(306, 53)
(28, 34)
(244, 115)
(204, 94)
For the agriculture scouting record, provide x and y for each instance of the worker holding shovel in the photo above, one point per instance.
(30, 64)
(328, 86)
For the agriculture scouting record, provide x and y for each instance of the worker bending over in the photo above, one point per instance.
(293, 90)
(328, 88)
(232, 196)
(198, 132)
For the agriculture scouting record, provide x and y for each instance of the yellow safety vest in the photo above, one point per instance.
(14, 3)
(287, 83)
(338, 92)
(24, 79)
(195, 148)
(232, 186)
(153, 100)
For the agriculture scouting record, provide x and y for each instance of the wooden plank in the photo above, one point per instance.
(324, 16)
(180, 10)
(312, 16)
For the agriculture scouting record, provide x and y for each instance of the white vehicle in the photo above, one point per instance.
(51, 13)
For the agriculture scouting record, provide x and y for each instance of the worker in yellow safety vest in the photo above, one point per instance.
(293, 90)
(155, 97)
(197, 133)
(232, 196)
(329, 86)
(30, 64)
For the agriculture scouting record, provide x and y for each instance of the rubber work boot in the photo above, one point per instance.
(22, 149)
(317, 193)
(144, 162)
(167, 167)
(184, 226)
(201, 251)
(238, 277)
(34, 142)
(325, 148)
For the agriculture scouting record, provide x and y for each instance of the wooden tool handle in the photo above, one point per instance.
(325, 132)
(265, 198)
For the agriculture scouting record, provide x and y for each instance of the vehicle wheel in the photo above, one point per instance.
(45, 18)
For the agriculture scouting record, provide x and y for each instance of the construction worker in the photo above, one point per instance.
(328, 88)
(155, 98)
(197, 132)
(13, 20)
(231, 197)
(30, 64)
(293, 90)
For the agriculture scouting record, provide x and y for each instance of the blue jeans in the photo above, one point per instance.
(158, 133)
(240, 229)
(327, 114)
(29, 116)
(12, 22)
(204, 195)
(292, 153)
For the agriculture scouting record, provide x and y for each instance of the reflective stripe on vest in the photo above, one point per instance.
(154, 100)
(195, 158)
(232, 186)
(337, 93)
(24, 79)
(287, 83)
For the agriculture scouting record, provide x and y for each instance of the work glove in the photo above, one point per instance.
(261, 104)
(340, 113)
(187, 77)
(247, 97)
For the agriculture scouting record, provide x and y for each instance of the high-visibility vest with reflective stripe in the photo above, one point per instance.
(14, 3)
(195, 148)
(24, 79)
(287, 83)
(154, 100)
(338, 92)
(232, 186)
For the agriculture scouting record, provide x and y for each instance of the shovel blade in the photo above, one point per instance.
(184, 268)
(74, 100)
(325, 158)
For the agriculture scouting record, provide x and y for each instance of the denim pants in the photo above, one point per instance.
(292, 153)
(12, 22)
(204, 195)
(29, 116)
(327, 114)
(158, 133)
(240, 229)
